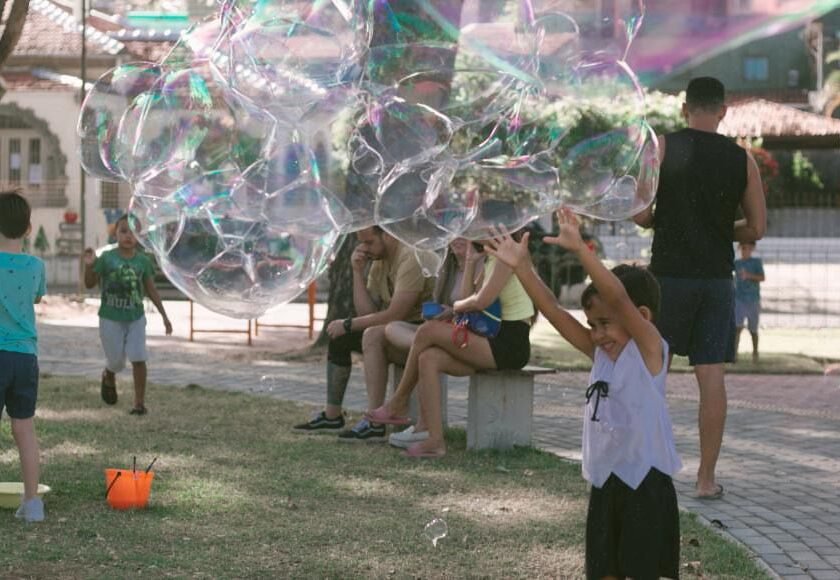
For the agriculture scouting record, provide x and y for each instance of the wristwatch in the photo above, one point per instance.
(348, 325)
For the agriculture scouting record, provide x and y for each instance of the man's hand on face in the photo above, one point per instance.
(360, 258)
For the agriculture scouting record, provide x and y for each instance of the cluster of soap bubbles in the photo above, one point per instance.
(277, 127)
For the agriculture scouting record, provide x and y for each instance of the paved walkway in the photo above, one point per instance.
(780, 462)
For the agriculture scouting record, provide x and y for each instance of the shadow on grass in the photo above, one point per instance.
(237, 494)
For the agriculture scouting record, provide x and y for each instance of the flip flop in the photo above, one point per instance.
(141, 410)
(712, 496)
(382, 415)
(108, 392)
(416, 451)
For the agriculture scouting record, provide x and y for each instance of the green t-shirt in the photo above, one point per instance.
(122, 282)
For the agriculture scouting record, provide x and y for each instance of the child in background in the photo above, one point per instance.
(22, 284)
(749, 273)
(124, 275)
(629, 456)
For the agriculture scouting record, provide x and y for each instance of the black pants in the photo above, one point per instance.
(339, 349)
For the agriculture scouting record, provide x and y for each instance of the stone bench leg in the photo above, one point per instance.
(500, 411)
(414, 403)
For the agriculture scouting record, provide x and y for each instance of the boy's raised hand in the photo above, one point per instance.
(506, 249)
(569, 236)
(89, 257)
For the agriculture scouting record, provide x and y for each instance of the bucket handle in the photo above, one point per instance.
(113, 481)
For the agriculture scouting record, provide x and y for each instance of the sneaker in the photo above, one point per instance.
(31, 511)
(406, 438)
(320, 424)
(108, 390)
(364, 432)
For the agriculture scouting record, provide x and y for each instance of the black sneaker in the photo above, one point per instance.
(363, 432)
(320, 424)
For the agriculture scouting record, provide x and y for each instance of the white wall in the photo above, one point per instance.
(60, 110)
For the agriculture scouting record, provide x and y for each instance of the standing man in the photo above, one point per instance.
(704, 179)
(394, 290)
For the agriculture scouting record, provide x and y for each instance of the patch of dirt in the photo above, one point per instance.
(60, 307)
(511, 508)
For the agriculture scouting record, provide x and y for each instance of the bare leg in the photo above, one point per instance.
(374, 351)
(476, 354)
(139, 371)
(754, 336)
(23, 431)
(738, 330)
(434, 361)
(400, 335)
(712, 418)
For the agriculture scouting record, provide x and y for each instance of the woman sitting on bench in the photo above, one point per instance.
(398, 336)
(437, 349)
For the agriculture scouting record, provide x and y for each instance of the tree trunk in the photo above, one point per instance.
(340, 302)
(13, 29)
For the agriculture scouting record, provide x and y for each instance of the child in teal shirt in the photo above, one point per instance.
(22, 284)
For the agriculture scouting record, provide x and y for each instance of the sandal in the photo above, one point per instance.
(108, 391)
(718, 494)
(417, 451)
(141, 410)
(383, 416)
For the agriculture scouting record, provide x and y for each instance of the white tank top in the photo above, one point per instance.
(630, 431)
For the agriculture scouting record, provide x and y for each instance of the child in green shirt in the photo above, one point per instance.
(125, 276)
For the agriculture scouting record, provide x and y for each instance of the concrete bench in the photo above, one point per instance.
(500, 408)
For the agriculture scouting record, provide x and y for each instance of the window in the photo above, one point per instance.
(29, 160)
(15, 161)
(110, 192)
(756, 68)
(36, 174)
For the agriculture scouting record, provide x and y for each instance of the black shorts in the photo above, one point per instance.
(633, 533)
(697, 318)
(18, 384)
(512, 346)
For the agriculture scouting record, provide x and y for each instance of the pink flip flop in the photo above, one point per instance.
(416, 451)
(384, 416)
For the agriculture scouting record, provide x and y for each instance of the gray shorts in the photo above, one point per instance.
(122, 339)
(749, 311)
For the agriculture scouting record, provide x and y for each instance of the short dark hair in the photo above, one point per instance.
(705, 93)
(15, 214)
(123, 217)
(641, 286)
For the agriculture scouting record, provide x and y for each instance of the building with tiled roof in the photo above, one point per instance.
(41, 84)
(780, 126)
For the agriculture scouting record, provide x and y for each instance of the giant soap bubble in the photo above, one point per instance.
(274, 129)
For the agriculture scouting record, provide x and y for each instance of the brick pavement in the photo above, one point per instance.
(780, 461)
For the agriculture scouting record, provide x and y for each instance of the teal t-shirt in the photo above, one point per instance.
(748, 290)
(122, 282)
(23, 279)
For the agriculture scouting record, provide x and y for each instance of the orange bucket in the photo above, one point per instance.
(127, 489)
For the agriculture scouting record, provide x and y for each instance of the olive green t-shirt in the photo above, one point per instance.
(401, 273)
(123, 284)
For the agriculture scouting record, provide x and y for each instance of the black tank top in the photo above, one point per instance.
(702, 180)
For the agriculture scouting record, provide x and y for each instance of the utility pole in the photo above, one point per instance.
(82, 192)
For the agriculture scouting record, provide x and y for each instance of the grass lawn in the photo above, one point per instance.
(782, 351)
(237, 494)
